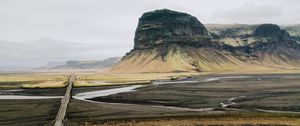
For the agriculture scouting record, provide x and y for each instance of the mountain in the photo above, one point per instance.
(81, 64)
(294, 31)
(242, 34)
(51, 65)
(171, 41)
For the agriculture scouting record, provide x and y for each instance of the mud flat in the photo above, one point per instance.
(91, 114)
(29, 107)
(274, 91)
(232, 101)
(34, 112)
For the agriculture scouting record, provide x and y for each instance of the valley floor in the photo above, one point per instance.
(258, 100)
(201, 100)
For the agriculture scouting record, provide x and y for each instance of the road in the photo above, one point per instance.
(64, 103)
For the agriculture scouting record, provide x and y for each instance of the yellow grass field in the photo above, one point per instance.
(58, 80)
(102, 79)
(33, 80)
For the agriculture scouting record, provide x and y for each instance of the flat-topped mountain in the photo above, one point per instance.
(170, 41)
(166, 27)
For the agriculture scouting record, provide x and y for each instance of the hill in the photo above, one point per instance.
(91, 64)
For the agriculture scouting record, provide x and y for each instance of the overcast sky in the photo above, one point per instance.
(34, 32)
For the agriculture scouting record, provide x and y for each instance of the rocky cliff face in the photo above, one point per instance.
(170, 41)
(166, 27)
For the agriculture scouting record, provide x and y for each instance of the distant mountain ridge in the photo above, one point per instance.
(171, 41)
(72, 64)
(242, 34)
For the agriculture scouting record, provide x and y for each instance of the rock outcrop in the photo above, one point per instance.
(271, 31)
(166, 27)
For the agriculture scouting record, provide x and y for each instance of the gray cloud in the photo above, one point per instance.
(38, 52)
(249, 13)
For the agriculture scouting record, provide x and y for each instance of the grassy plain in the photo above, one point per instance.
(33, 80)
(86, 79)
(100, 79)
(83, 79)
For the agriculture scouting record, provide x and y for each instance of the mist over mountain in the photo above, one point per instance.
(81, 65)
(26, 55)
